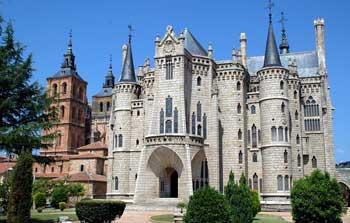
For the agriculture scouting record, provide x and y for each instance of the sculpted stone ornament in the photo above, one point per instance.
(169, 46)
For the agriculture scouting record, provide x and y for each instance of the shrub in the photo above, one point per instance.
(40, 200)
(59, 194)
(256, 202)
(240, 200)
(207, 206)
(181, 206)
(62, 205)
(40, 209)
(91, 211)
(317, 198)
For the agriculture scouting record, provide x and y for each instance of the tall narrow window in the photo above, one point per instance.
(205, 126)
(298, 139)
(58, 139)
(296, 115)
(281, 85)
(280, 134)
(295, 94)
(279, 182)
(115, 140)
(108, 105)
(240, 157)
(239, 108)
(62, 111)
(101, 106)
(199, 112)
(120, 142)
(286, 134)
(168, 126)
(285, 156)
(81, 168)
(54, 89)
(254, 137)
(255, 182)
(255, 157)
(299, 160)
(253, 109)
(161, 121)
(259, 136)
(116, 183)
(239, 134)
(273, 134)
(193, 123)
(199, 81)
(169, 106)
(238, 86)
(176, 121)
(283, 107)
(199, 130)
(169, 68)
(286, 183)
(64, 88)
(314, 162)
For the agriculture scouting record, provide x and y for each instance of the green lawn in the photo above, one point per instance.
(258, 219)
(48, 216)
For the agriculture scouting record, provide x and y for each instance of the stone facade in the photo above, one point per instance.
(191, 120)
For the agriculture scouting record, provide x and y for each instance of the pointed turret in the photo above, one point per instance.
(272, 57)
(109, 79)
(284, 46)
(69, 58)
(128, 70)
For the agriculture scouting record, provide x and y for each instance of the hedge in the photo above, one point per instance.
(92, 211)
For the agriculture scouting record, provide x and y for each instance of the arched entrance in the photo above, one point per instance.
(346, 193)
(174, 184)
(200, 171)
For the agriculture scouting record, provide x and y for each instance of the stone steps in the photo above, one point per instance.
(161, 204)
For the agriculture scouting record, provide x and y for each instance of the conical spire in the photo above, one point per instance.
(128, 70)
(109, 79)
(69, 58)
(284, 46)
(272, 57)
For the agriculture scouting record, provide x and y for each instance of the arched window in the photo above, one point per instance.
(109, 106)
(239, 108)
(116, 183)
(298, 139)
(286, 182)
(137, 113)
(279, 182)
(238, 86)
(199, 111)
(282, 85)
(253, 109)
(199, 130)
(254, 137)
(169, 68)
(255, 157)
(52, 169)
(205, 126)
(64, 88)
(161, 121)
(296, 115)
(314, 162)
(286, 134)
(81, 168)
(168, 126)
(283, 107)
(255, 182)
(54, 89)
(169, 106)
(273, 134)
(193, 123)
(239, 134)
(299, 160)
(295, 94)
(176, 120)
(280, 134)
(240, 157)
(120, 142)
(62, 111)
(101, 106)
(285, 156)
(199, 81)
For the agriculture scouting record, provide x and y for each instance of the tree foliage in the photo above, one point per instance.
(59, 194)
(4, 195)
(39, 200)
(256, 202)
(207, 206)
(317, 198)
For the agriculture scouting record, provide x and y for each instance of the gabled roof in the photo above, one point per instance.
(94, 146)
(192, 45)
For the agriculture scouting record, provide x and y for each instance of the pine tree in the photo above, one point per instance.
(23, 115)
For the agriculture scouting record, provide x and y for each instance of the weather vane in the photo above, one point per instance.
(270, 7)
(283, 20)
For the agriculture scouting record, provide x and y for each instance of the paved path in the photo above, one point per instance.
(139, 216)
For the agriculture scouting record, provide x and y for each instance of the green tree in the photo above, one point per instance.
(4, 195)
(59, 194)
(23, 115)
(207, 206)
(39, 200)
(316, 199)
(256, 202)
(240, 200)
(76, 190)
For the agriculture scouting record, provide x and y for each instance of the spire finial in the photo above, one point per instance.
(110, 61)
(284, 46)
(130, 32)
(270, 7)
(70, 39)
(282, 21)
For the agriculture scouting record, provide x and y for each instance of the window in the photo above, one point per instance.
(255, 157)
(36, 169)
(64, 88)
(282, 85)
(296, 115)
(259, 136)
(286, 134)
(115, 141)
(254, 137)
(314, 162)
(52, 169)
(161, 121)
(295, 94)
(59, 139)
(120, 142)
(81, 168)
(238, 86)
(239, 134)
(54, 89)
(62, 111)
(298, 139)
(199, 81)
(255, 182)
(169, 106)
(137, 113)
(199, 111)
(283, 107)
(285, 156)
(239, 109)
(253, 109)
(193, 123)
(286, 183)
(176, 121)
(168, 126)
(199, 130)
(299, 160)
(116, 183)
(280, 134)
(169, 68)
(101, 106)
(205, 126)
(273, 134)
(137, 142)
(240, 157)
(312, 125)
(279, 182)
(109, 106)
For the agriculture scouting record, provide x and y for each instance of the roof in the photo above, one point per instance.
(128, 69)
(4, 167)
(49, 175)
(307, 63)
(192, 45)
(86, 156)
(66, 72)
(84, 177)
(94, 146)
(272, 57)
(104, 92)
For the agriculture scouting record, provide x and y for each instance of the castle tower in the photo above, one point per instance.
(69, 91)
(275, 125)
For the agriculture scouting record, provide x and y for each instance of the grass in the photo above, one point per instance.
(48, 216)
(258, 219)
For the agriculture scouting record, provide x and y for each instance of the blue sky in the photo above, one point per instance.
(100, 29)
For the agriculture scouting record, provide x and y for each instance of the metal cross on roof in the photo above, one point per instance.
(270, 7)
(283, 20)
(130, 32)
